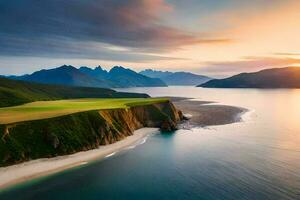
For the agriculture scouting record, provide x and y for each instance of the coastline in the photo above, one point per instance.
(203, 114)
(26, 171)
(208, 113)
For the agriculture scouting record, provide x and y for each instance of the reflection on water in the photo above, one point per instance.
(278, 109)
(255, 159)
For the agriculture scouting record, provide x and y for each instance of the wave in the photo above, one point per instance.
(140, 142)
(83, 163)
(109, 155)
(131, 147)
(143, 141)
(247, 116)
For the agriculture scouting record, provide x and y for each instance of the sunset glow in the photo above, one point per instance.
(150, 99)
(199, 36)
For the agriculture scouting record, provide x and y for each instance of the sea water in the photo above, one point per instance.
(256, 159)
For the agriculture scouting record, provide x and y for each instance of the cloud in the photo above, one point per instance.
(287, 54)
(66, 48)
(248, 64)
(74, 29)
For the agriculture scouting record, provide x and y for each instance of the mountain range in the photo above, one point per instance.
(288, 77)
(117, 77)
(87, 77)
(176, 78)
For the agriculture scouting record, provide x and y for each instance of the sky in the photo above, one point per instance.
(215, 38)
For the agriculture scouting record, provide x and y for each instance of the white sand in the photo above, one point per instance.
(28, 170)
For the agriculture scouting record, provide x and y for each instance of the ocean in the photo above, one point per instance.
(255, 159)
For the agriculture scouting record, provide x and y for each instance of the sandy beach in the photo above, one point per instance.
(206, 113)
(41, 167)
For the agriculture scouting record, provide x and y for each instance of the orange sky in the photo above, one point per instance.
(268, 37)
(217, 39)
(270, 34)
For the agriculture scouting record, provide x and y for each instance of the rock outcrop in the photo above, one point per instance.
(80, 131)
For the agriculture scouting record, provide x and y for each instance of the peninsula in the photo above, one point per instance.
(60, 126)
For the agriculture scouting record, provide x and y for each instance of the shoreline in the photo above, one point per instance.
(203, 113)
(208, 113)
(15, 174)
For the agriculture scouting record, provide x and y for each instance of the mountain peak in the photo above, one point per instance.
(120, 69)
(176, 78)
(99, 68)
(66, 67)
(117, 68)
(84, 67)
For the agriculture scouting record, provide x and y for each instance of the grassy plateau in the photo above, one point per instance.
(49, 109)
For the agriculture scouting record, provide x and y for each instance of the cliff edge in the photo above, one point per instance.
(82, 131)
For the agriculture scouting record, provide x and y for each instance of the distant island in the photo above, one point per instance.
(176, 78)
(84, 76)
(288, 77)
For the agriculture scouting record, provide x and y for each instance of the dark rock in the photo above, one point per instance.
(168, 126)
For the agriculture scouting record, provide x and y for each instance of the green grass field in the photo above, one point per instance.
(48, 109)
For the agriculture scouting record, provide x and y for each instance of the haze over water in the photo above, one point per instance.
(258, 158)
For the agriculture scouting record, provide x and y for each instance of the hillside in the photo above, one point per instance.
(130, 78)
(87, 77)
(82, 131)
(65, 75)
(176, 78)
(13, 92)
(155, 73)
(288, 77)
(185, 78)
(97, 72)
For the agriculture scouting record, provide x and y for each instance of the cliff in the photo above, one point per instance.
(72, 133)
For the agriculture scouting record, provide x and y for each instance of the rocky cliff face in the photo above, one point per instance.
(80, 131)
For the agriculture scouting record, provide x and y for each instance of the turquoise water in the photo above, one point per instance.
(257, 159)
